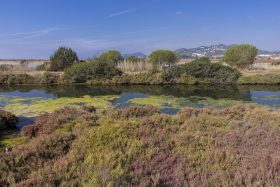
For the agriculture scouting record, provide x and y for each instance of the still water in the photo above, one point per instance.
(29, 101)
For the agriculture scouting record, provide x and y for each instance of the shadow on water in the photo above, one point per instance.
(237, 92)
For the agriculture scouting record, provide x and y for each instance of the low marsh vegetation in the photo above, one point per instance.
(96, 71)
(236, 146)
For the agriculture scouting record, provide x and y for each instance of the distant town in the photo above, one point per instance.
(217, 52)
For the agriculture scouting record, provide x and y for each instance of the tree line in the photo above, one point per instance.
(240, 56)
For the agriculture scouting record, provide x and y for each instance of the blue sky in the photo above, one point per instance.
(36, 28)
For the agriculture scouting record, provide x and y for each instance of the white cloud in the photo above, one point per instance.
(178, 12)
(41, 32)
(116, 14)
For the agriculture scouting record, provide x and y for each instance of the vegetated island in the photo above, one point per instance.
(111, 68)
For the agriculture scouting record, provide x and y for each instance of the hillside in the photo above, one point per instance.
(139, 54)
(212, 50)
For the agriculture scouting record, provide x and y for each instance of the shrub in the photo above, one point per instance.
(84, 71)
(46, 77)
(49, 122)
(23, 62)
(43, 67)
(63, 58)
(153, 71)
(7, 120)
(23, 79)
(204, 71)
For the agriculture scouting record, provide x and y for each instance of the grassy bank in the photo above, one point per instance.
(148, 78)
(138, 146)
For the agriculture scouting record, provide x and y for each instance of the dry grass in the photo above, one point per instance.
(273, 68)
(131, 67)
(17, 69)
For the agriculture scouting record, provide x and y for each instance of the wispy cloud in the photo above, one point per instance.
(116, 14)
(41, 32)
(178, 12)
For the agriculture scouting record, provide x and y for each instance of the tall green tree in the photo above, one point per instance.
(241, 56)
(133, 59)
(163, 57)
(63, 58)
(111, 57)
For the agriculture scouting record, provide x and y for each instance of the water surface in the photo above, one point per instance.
(29, 101)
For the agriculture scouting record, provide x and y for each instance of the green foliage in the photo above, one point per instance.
(46, 77)
(133, 59)
(260, 79)
(63, 58)
(24, 62)
(203, 71)
(163, 56)
(241, 56)
(43, 67)
(153, 71)
(111, 57)
(85, 71)
(7, 120)
(188, 79)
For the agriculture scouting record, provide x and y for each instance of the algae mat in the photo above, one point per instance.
(170, 102)
(34, 106)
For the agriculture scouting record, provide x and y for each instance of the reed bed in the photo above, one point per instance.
(140, 66)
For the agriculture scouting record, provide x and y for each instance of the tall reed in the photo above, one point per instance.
(140, 66)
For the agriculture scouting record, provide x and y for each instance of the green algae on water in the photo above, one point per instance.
(268, 98)
(34, 106)
(170, 102)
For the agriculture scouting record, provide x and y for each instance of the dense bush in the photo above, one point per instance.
(7, 120)
(62, 59)
(85, 71)
(43, 67)
(19, 79)
(237, 146)
(204, 71)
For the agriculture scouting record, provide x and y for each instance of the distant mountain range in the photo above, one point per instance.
(141, 55)
(212, 50)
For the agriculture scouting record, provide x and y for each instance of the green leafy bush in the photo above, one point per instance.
(85, 71)
(62, 59)
(204, 71)
(43, 67)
